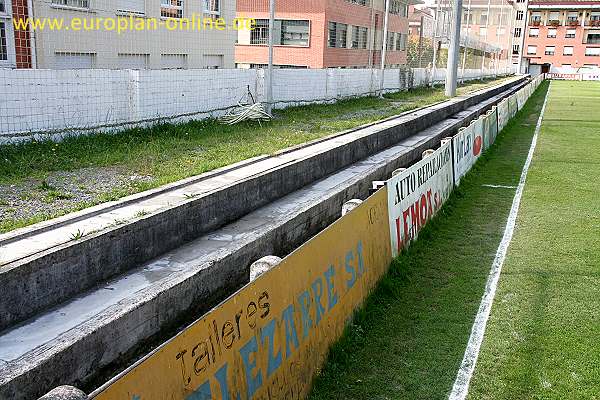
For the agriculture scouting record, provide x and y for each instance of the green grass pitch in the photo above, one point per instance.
(543, 336)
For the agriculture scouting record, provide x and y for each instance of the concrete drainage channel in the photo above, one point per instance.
(74, 308)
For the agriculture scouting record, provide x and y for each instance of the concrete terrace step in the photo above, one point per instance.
(42, 265)
(74, 340)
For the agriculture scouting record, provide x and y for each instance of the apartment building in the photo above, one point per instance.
(488, 28)
(421, 21)
(323, 33)
(562, 36)
(520, 26)
(174, 36)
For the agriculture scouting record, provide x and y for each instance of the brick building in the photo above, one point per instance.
(323, 33)
(421, 21)
(562, 36)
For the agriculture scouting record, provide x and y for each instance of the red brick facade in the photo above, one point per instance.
(22, 38)
(317, 54)
(574, 17)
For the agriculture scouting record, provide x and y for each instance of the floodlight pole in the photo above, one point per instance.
(511, 40)
(453, 50)
(464, 60)
(499, 54)
(384, 49)
(487, 25)
(270, 67)
(435, 42)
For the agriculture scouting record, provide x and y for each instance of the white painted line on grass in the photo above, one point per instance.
(500, 186)
(460, 388)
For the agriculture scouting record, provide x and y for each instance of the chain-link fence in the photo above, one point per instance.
(73, 66)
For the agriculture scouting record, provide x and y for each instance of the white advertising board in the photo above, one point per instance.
(416, 194)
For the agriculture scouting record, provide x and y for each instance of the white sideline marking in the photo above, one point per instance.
(460, 388)
(500, 186)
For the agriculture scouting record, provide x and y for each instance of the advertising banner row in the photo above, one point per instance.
(587, 76)
(270, 338)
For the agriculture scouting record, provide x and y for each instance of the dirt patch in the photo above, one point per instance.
(65, 191)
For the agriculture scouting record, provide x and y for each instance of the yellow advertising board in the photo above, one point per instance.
(268, 340)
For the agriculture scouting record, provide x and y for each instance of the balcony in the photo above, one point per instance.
(593, 22)
(535, 22)
(573, 22)
(553, 22)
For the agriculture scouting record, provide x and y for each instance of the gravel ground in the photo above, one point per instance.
(65, 191)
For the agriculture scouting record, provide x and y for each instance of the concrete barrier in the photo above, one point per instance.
(313, 295)
(55, 273)
(210, 268)
(272, 336)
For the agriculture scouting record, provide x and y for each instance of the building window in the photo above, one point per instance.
(137, 7)
(134, 61)
(212, 7)
(534, 32)
(355, 37)
(173, 61)
(359, 37)
(401, 41)
(592, 51)
(516, 49)
(517, 32)
(482, 31)
(72, 3)
(593, 38)
(568, 51)
(531, 50)
(570, 34)
(483, 19)
(359, 2)
(288, 32)
(260, 33)
(551, 33)
(549, 50)
(212, 61)
(294, 32)
(398, 7)
(536, 16)
(64, 60)
(277, 66)
(337, 35)
(465, 17)
(7, 41)
(519, 15)
(363, 37)
(85, 4)
(391, 41)
(171, 8)
(3, 43)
